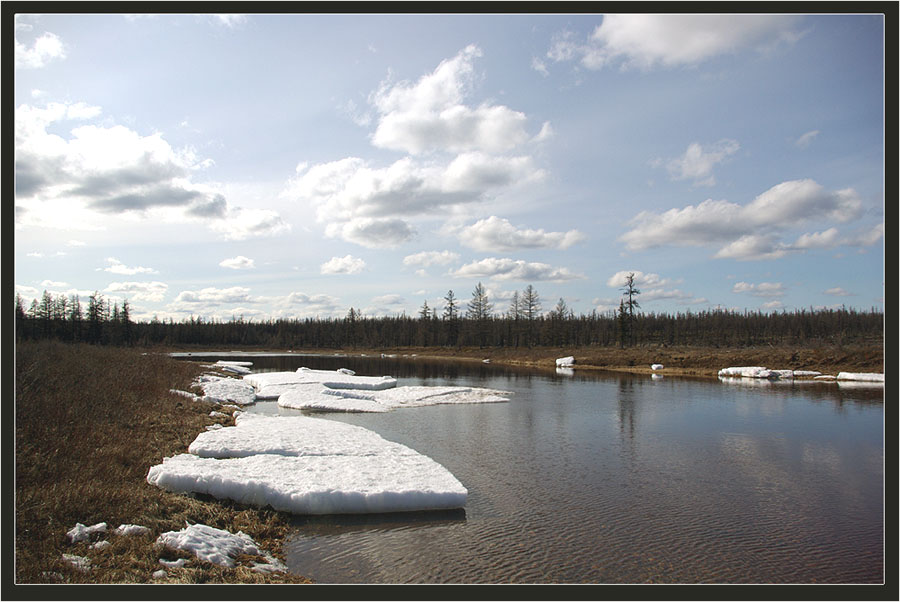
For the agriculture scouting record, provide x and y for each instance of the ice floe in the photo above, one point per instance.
(873, 377)
(307, 465)
(344, 391)
(762, 372)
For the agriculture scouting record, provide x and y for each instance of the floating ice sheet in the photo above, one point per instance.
(873, 377)
(343, 400)
(336, 484)
(307, 465)
(292, 436)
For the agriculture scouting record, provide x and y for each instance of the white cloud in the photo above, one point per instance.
(373, 233)
(348, 264)
(350, 195)
(237, 263)
(646, 41)
(229, 20)
(744, 231)
(305, 305)
(697, 162)
(69, 182)
(510, 269)
(53, 284)
(139, 291)
(838, 292)
(806, 139)
(429, 258)
(498, 235)
(117, 267)
(429, 115)
(211, 296)
(238, 223)
(652, 287)
(763, 289)
(46, 47)
(539, 66)
(391, 299)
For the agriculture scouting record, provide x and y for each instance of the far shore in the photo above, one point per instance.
(704, 362)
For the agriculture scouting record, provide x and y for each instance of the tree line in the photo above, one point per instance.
(477, 323)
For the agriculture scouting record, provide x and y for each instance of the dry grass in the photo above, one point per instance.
(90, 422)
(690, 361)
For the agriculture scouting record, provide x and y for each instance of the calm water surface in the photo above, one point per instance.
(600, 478)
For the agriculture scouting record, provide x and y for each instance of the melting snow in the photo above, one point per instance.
(210, 544)
(81, 533)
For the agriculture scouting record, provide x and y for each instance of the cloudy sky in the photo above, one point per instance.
(299, 165)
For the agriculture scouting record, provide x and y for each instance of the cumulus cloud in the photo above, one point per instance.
(210, 297)
(350, 195)
(306, 305)
(646, 41)
(430, 115)
(45, 48)
(497, 234)
(239, 223)
(348, 264)
(838, 292)
(698, 161)
(512, 269)
(744, 231)
(117, 267)
(65, 181)
(429, 258)
(237, 263)
(763, 289)
(53, 284)
(139, 291)
(373, 232)
(653, 287)
(457, 154)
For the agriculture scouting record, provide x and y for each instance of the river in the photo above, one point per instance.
(597, 477)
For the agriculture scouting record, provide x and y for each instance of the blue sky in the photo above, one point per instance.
(298, 165)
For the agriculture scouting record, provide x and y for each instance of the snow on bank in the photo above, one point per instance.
(306, 465)
(224, 390)
(217, 546)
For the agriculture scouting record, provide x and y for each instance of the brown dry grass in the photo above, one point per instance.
(90, 422)
(688, 361)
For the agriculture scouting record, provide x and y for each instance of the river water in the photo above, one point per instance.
(592, 477)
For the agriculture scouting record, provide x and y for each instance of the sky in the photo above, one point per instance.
(272, 166)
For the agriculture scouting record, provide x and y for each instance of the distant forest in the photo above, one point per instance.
(476, 325)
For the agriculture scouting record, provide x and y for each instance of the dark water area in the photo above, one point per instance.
(591, 477)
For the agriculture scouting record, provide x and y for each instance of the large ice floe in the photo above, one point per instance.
(311, 465)
(308, 465)
(343, 391)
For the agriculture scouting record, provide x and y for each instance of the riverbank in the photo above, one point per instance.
(702, 362)
(90, 422)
